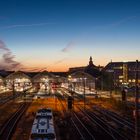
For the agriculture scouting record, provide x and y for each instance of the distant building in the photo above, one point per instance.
(75, 69)
(91, 69)
(123, 72)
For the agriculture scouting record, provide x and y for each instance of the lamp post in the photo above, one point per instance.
(111, 85)
(102, 82)
(136, 103)
(84, 84)
(13, 87)
(69, 83)
(24, 89)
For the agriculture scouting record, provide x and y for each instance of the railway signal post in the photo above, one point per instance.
(70, 103)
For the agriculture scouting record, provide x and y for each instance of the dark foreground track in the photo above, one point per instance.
(9, 126)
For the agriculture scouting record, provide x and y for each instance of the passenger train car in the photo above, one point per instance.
(43, 126)
(45, 112)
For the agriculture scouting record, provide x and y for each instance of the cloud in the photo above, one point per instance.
(3, 47)
(68, 47)
(25, 25)
(7, 61)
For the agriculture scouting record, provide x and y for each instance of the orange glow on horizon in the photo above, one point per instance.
(65, 65)
(62, 67)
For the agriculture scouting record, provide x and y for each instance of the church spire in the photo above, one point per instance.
(90, 61)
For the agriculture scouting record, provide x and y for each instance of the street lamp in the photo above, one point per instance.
(136, 103)
(69, 82)
(13, 87)
(84, 83)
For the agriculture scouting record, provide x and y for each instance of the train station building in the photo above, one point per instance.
(123, 73)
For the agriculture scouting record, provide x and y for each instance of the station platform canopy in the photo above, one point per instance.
(61, 79)
(80, 82)
(42, 77)
(80, 75)
(18, 76)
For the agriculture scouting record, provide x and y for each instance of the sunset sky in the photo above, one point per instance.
(58, 34)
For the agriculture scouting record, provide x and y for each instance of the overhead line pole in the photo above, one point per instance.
(136, 103)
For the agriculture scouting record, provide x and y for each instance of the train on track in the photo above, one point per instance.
(43, 125)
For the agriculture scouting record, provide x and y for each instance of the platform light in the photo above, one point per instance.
(133, 80)
(121, 76)
(120, 81)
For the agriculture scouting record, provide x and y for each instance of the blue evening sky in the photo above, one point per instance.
(58, 34)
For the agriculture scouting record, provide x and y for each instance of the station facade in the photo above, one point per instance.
(123, 73)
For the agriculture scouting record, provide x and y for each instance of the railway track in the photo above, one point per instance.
(126, 126)
(116, 118)
(116, 126)
(75, 95)
(82, 131)
(9, 126)
(103, 124)
(85, 130)
(61, 99)
(7, 99)
(100, 121)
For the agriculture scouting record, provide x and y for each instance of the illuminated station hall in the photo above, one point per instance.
(20, 81)
(81, 82)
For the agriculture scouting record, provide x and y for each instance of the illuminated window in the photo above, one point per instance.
(120, 81)
(133, 80)
(121, 76)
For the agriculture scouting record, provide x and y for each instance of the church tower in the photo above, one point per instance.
(92, 69)
(90, 61)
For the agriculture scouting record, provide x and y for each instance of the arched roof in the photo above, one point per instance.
(44, 74)
(17, 74)
(60, 79)
(81, 74)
